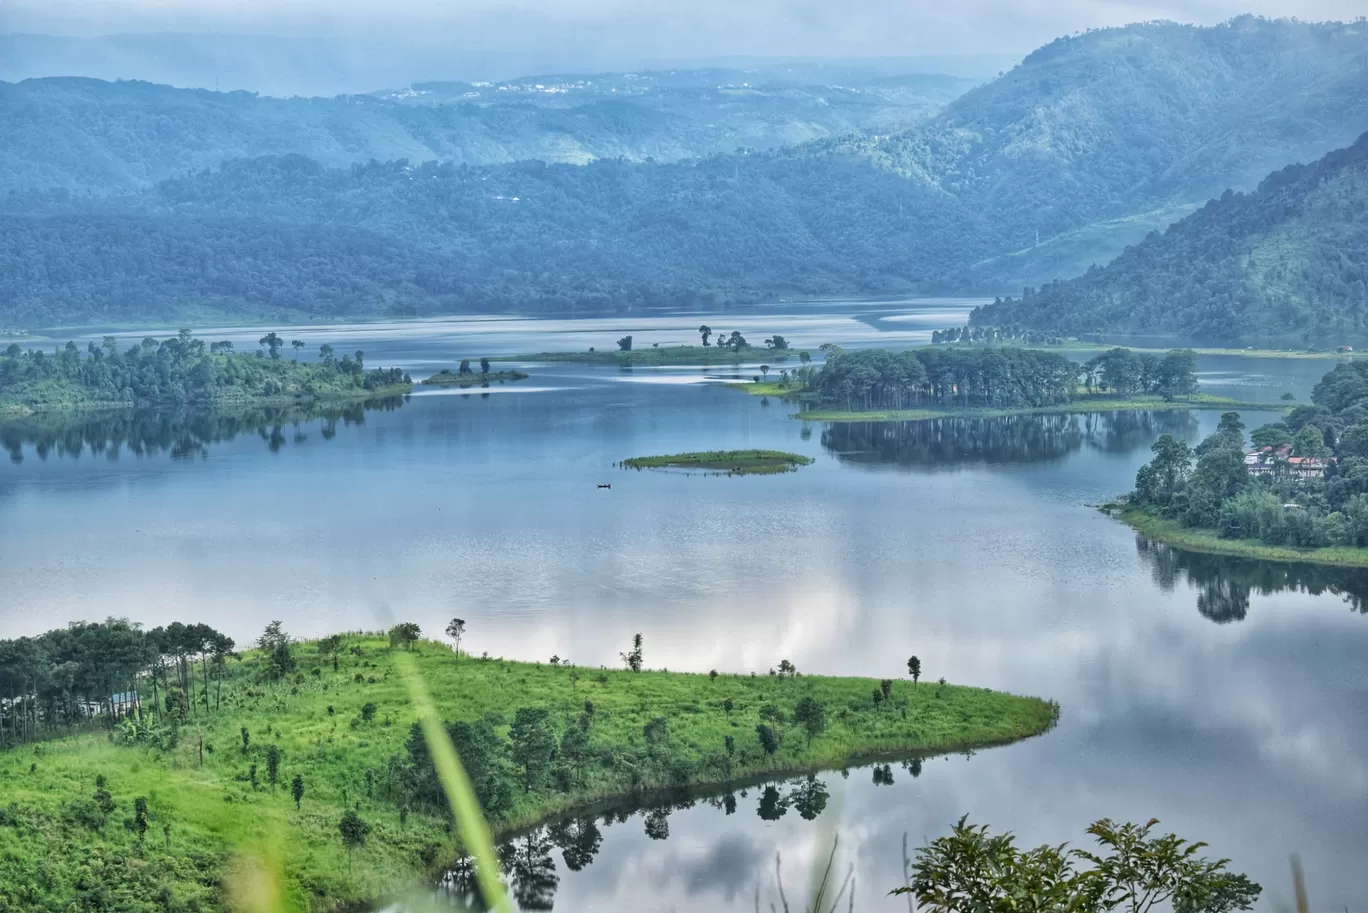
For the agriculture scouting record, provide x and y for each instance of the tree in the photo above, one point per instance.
(484, 365)
(465, 367)
(325, 352)
(736, 342)
(886, 686)
(354, 832)
(297, 790)
(810, 713)
(405, 634)
(769, 741)
(1274, 436)
(777, 343)
(971, 870)
(764, 371)
(298, 346)
(787, 668)
(1310, 442)
(533, 744)
(805, 356)
(455, 629)
(625, 344)
(272, 765)
(914, 668)
(140, 817)
(634, 658)
(272, 342)
(705, 331)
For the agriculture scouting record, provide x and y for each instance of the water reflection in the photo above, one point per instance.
(527, 860)
(181, 433)
(935, 443)
(1224, 583)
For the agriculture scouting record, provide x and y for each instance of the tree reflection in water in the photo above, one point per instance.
(179, 433)
(1224, 583)
(1010, 439)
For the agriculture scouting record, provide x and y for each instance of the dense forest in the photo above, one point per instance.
(1287, 262)
(1107, 128)
(88, 135)
(993, 377)
(181, 370)
(1285, 501)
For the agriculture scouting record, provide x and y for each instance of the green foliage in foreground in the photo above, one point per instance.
(1131, 870)
(181, 370)
(731, 462)
(540, 739)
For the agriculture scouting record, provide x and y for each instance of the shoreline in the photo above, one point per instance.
(1207, 541)
(1078, 407)
(13, 411)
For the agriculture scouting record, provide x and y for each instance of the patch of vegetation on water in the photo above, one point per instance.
(686, 356)
(728, 462)
(467, 378)
(303, 759)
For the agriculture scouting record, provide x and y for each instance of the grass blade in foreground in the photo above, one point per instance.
(470, 823)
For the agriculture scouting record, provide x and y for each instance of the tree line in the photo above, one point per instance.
(182, 369)
(99, 671)
(1004, 376)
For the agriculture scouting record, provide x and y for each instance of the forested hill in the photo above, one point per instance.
(1095, 139)
(285, 237)
(1286, 262)
(90, 135)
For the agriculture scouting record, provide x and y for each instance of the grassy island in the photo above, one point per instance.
(276, 745)
(669, 355)
(1100, 402)
(728, 462)
(448, 378)
(183, 371)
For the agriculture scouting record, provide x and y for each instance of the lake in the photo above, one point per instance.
(1226, 698)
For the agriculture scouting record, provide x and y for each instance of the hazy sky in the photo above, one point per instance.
(682, 28)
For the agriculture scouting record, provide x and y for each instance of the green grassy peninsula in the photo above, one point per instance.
(671, 355)
(184, 371)
(724, 462)
(257, 770)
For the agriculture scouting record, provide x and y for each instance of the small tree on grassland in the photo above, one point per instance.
(456, 630)
(634, 658)
(297, 790)
(404, 634)
(914, 668)
(810, 713)
(354, 832)
(769, 740)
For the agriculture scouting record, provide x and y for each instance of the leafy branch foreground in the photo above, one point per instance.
(307, 773)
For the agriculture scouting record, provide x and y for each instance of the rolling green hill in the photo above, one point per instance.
(1287, 262)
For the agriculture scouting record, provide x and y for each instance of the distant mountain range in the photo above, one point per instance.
(1087, 145)
(88, 135)
(1285, 263)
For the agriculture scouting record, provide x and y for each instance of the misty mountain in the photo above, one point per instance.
(84, 134)
(1285, 263)
(1095, 140)
(324, 66)
(1088, 142)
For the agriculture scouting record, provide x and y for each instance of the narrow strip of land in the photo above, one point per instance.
(724, 462)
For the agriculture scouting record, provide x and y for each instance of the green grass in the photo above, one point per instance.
(448, 378)
(221, 824)
(731, 462)
(1087, 403)
(665, 355)
(1208, 540)
(1079, 346)
(768, 388)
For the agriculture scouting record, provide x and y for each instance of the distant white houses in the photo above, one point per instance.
(1280, 461)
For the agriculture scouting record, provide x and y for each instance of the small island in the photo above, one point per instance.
(724, 462)
(183, 370)
(990, 382)
(1296, 490)
(192, 760)
(465, 376)
(726, 350)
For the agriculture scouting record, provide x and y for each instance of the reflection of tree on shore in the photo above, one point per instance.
(1009, 439)
(579, 841)
(809, 797)
(1224, 583)
(528, 864)
(179, 433)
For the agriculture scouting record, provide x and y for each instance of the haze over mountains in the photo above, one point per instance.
(1084, 147)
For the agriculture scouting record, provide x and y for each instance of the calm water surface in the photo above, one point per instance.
(1229, 699)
